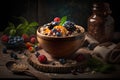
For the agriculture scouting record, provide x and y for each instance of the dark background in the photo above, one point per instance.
(43, 11)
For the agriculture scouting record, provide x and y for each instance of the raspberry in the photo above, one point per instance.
(57, 19)
(33, 40)
(25, 37)
(5, 38)
(42, 58)
(80, 58)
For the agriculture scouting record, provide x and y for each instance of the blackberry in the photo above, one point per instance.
(37, 54)
(13, 55)
(4, 50)
(54, 23)
(50, 26)
(70, 26)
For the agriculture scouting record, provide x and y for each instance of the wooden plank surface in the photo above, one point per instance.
(7, 74)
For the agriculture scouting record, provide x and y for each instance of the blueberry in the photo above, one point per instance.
(15, 39)
(62, 61)
(91, 46)
(4, 50)
(58, 33)
(80, 70)
(74, 72)
(53, 63)
(14, 42)
(36, 47)
(18, 37)
(13, 55)
(37, 54)
(54, 30)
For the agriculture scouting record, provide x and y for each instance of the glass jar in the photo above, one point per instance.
(100, 23)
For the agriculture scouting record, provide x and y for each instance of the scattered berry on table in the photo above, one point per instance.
(42, 58)
(37, 54)
(53, 63)
(74, 72)
(28, 44)
(91, 46)
(5, 38)
(31, 49)
(4, 50)
(25, 37)
(33, 40)
(80, 70)
(36, 47)
(15, 40)
(80, 58)
(13, 55)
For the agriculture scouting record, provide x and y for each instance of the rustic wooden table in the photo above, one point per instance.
(7, 74)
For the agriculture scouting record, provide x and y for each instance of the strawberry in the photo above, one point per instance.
(5, 38)
(57, 19)
(33, 40)
(25, 37)
(42, 58)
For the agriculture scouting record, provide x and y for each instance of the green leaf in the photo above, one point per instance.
(94, 63)
(33, 24)
(23, 20)
(6, 31)
(8, 28)
(12, 32)
(106, 68)
(30, 30)
(62, 21)
(10, 24)
(20, 29)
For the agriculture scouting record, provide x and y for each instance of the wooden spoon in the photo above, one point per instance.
(22, 68)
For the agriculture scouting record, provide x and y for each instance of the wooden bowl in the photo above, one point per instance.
(61, 47)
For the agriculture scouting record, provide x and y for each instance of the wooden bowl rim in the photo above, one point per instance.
(73, 37)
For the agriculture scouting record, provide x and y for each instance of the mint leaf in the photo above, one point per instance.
(62, 21)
